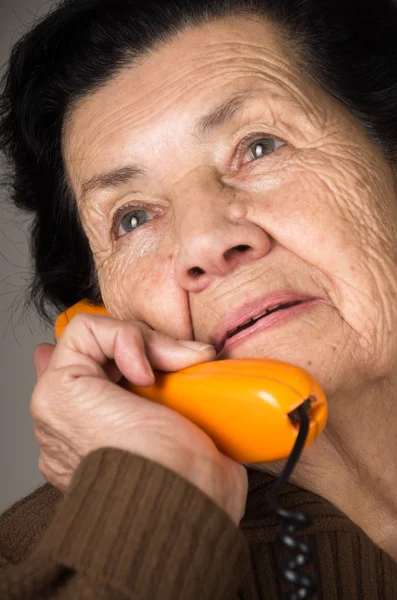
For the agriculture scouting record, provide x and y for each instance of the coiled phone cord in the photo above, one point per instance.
(292, 521)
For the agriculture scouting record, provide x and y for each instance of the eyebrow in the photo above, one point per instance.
(222, 114)
(217, 117)
(115, 178)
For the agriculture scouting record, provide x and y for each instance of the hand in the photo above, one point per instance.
(78, 407)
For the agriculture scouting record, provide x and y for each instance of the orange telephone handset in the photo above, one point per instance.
(247, 406)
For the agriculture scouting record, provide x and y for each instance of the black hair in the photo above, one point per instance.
(349, 48)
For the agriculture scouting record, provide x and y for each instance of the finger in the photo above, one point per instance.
(41, 357)
(112, 371)
(90, 341)
(168, 354)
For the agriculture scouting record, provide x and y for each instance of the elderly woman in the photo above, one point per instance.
(189, 164)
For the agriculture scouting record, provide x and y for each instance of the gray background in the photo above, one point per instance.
(20, 333)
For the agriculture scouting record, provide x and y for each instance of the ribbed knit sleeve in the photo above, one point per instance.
(131, 528)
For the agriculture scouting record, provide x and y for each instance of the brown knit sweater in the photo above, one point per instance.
(131, 529)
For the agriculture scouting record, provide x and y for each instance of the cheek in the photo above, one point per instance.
(146, 290)
(331, 216)
(124, 285)
(127, 275)
(138, 289)
(305, 216)
(342, 225)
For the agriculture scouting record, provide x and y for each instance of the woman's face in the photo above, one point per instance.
(193, 210)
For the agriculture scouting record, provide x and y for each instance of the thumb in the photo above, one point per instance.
(41, 357)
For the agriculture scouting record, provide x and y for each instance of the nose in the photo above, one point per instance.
(216, 238)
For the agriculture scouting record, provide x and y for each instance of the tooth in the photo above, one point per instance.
(274, 307)
(254, 319)
(260, 316)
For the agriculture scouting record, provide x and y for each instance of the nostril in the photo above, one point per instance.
(236, 249)
(195, 272)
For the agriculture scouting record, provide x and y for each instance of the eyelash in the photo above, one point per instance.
(242, 149)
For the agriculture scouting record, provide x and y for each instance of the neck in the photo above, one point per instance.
(352, 463)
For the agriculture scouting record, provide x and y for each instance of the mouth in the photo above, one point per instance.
(262, 316)
(236, 324)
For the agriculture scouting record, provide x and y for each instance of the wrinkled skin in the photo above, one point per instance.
(318, 214)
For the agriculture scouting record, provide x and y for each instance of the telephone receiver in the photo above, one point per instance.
(249, 407)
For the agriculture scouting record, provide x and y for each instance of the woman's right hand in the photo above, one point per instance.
(78, 407)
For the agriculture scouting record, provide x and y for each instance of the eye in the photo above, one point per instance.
(127, 220)
(258, 146)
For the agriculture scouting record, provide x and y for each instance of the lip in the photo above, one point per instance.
(252, 309)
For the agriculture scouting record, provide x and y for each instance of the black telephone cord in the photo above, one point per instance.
(292, 521)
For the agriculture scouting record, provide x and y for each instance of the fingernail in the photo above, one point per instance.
(197, 346)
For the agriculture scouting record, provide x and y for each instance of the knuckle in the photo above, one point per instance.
(132, 337)
(62, 379)
(44, 467)
(37, 406)
(152, 337)
(86, 320)
(136, 325)
(132, 328)
(79, 319)
(75, 324)
(42, 398)
(130, 332)
(38, 432)
(133, 332)
(50, 394)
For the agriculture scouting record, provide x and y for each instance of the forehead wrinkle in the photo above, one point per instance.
(120, 119)
(222, 113)
(172, 84)
(239, 48)
(176, 88)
